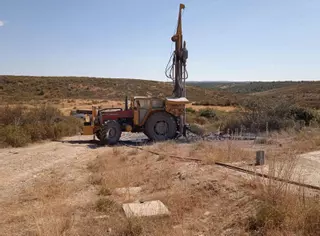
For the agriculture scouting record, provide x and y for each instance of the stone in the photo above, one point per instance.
(182, 175)
(207, 213)
(177, 227)
(148, 208)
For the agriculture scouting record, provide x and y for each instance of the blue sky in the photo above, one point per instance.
(227, 39)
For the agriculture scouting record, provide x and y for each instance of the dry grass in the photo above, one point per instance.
(219, 108)
(186, 192)
(302, 141)
(202, 198)
(284, 209)
(41, 209)
(307, 140)
(119, 168)
(228, 151)
(114, 169)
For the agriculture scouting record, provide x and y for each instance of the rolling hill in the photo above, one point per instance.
(305, 94)
(17, 89)
(246, 87)
(26, 88)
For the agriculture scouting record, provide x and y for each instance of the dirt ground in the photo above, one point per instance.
(66, 188)
(47, 176)
(21, 166)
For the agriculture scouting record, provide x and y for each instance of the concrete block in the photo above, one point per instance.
(149, 208)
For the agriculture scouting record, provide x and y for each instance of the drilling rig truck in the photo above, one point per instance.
(159, 119)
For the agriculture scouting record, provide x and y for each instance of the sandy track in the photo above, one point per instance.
(20, 166)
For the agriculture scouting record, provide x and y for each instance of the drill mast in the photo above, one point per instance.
(177, 70)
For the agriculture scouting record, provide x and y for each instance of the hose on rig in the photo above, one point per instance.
(170, 69)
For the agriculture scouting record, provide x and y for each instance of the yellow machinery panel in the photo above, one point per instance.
(175, 109)
(176, 106)
(88, 130)
(136, 117)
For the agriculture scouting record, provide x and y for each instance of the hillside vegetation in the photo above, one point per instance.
(26, 88)
(247, 87)
(17, 89)
(304, 94)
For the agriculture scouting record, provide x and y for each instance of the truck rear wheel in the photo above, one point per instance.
(98, 135)
(110, 132)
(161, 126)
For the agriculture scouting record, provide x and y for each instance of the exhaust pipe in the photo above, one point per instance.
(126, 103)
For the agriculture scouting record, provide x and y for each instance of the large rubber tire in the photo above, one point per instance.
(98, 135)
(161, 126)
(110, 132)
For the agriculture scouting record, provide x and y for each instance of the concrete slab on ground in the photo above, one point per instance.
(148, 208)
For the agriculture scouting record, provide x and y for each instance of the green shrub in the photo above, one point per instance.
(208, 113)
(190, 110)
(305, 114)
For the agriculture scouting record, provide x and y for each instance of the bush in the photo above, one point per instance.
(260, 115)
(190, 110)
(21, 125)
(304, 114)
(289, 215)
(267, 216)
(106, 205)
(14, 136)
(208, 113)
